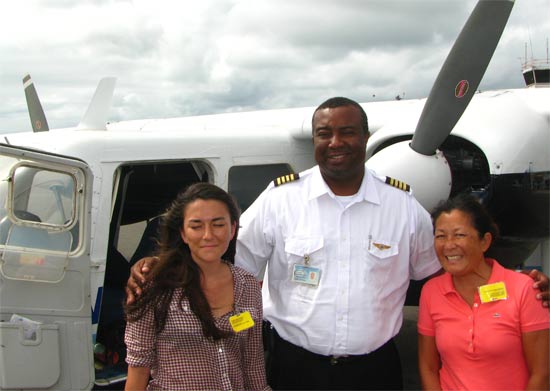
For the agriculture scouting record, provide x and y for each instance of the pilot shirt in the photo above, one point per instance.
(367, 249)
(481, 346)
(182, 358)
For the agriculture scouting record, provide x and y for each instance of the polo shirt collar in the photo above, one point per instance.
(497, 274)
(448, 286)
(367, 192)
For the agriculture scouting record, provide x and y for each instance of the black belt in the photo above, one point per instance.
(343, 359)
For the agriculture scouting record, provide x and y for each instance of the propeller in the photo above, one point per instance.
(36, 113)
(418, 162)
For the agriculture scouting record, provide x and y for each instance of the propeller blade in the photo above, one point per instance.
(36, 113)
(461, 74)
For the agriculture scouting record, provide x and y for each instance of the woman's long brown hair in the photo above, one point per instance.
(176, 268)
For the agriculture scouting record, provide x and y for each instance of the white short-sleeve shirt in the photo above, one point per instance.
(367, 252)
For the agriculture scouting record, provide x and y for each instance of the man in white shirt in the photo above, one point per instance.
(340, 247)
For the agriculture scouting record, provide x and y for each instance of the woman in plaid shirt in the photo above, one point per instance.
(197, 326)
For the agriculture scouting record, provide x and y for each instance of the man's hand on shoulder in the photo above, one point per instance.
(138, 276)
(542, 284)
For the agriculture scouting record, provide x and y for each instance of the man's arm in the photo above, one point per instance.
(138, 276)
(542, 284)
(254, 246)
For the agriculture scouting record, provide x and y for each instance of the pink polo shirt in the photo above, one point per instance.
(481, 347)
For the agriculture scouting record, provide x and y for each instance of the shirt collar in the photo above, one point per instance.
(237, 280)
(448, 284)
(497, 274)
(367, 192)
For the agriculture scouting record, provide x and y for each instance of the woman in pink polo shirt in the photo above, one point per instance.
(480, 326)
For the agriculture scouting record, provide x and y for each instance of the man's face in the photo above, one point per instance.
(339, 142)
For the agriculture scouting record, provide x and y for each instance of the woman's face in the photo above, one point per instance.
(457, 243)
(207, 230)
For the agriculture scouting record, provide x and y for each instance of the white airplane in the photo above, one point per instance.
(78, 206)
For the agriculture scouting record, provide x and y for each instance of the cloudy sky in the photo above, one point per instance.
(190, 57)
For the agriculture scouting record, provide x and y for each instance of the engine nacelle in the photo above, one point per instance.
(428, 176)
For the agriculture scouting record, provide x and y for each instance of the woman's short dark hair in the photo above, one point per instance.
(471, 206)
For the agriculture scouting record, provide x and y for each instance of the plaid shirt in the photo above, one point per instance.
(181, 358)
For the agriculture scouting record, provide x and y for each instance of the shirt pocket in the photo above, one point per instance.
(181, 321)
(382, 249)
(254, 314)
(300, 249)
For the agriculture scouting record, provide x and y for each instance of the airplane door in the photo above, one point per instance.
(45, 310)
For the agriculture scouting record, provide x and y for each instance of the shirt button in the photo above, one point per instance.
(220, 350)
(475, 305)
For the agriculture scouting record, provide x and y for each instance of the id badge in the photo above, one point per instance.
(306, 274)
(492, 292)
(241, 322)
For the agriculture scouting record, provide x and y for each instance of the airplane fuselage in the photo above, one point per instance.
(125, 176)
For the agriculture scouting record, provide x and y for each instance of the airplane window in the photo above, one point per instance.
(529, 78)
(542, 75)
(56, 190)
(44, 196)
(247, 182)
(35, 239)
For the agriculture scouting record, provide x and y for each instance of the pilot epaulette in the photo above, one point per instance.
(286, 179)
(397, 183)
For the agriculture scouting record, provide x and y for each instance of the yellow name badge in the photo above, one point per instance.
(493, 292)
(241, 321)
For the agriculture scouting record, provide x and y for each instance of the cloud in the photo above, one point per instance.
(175, 58)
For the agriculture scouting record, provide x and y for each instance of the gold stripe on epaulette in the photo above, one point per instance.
(397, 183)
(286, 179)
